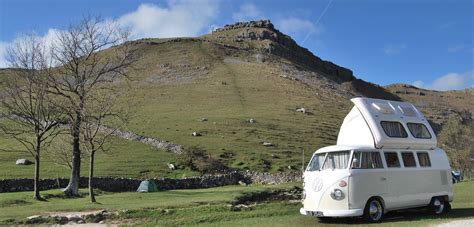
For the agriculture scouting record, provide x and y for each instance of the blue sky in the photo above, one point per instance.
(428, 43)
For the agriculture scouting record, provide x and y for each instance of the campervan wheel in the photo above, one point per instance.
(373, 211)
(439, 206)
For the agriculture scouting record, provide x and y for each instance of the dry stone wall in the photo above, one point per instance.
(113, 184)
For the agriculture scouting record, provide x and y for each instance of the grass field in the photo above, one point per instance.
(168, 103)
(209, 207)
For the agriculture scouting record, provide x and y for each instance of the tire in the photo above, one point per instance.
(374, 210)
(439, 206)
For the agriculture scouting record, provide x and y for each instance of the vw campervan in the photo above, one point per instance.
(385, 159)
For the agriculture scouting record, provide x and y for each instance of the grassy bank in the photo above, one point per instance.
(209, 207)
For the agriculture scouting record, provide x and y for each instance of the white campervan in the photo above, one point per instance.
(385, 159)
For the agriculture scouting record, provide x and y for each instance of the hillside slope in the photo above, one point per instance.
(213, 85)
(437, 105)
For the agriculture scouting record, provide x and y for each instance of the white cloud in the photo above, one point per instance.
(394, 49)
(247, 12)
(450, 81)
(3, 52)
(297, 26)
(418, 83)
(446, 25)
(459, 48)
(48, 39)
(178, 18)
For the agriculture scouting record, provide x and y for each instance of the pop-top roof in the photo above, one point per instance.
(386, 124)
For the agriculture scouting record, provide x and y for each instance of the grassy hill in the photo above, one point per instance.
(240, 72)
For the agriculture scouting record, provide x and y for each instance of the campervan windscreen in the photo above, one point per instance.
(333, 160)
(316, 162)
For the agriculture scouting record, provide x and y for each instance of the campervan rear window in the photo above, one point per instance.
(392, 159)
(366, 160)
(418, 130)
(337, 160)
(424, 159)
(316, 162)
(408, 159)
(394, 129)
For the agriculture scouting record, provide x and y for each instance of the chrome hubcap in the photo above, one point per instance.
(375, 210)
(439, 206)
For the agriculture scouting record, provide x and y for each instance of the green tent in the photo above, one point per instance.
(147, 186)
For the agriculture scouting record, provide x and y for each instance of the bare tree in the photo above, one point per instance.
(31, 116)
(85, 66)
(59, 151)
(95, 134)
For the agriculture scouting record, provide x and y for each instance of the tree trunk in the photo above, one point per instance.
(91, 175)
(72, 188)
(37, 173)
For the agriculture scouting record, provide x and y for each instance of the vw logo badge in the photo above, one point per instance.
(317, 184)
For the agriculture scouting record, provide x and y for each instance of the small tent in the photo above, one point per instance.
(147, 186)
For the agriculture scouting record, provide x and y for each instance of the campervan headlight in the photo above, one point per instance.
(337, 194)
(303, 195)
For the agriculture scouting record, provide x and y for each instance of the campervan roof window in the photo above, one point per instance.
(382, 108)
(337, 160)
(316, 162)
(419, 131)
(394, 129)
(407, 110)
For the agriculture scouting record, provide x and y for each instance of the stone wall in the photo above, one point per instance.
(125, 184)
(272, 178)
(112, 184)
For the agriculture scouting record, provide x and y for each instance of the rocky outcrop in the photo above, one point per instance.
(281, 45)
(251, 24)
(70, 218)
(23, 161)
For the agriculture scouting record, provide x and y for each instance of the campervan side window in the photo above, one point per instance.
(408, 159)
(337, 160)
(316, 162)
(366, 160)
(424, 159)
(419, 131)
(392, 159)
(394, 129)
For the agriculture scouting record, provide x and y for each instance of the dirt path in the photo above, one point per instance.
(465, 222)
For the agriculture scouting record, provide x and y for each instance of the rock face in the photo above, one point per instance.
(276, 43)
(261, 38)
(259, 24)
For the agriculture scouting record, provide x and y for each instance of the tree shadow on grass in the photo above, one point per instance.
(61, 196)
(410, 215)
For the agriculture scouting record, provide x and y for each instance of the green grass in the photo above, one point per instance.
(209, 207)
(171, 109)
(124, 159)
